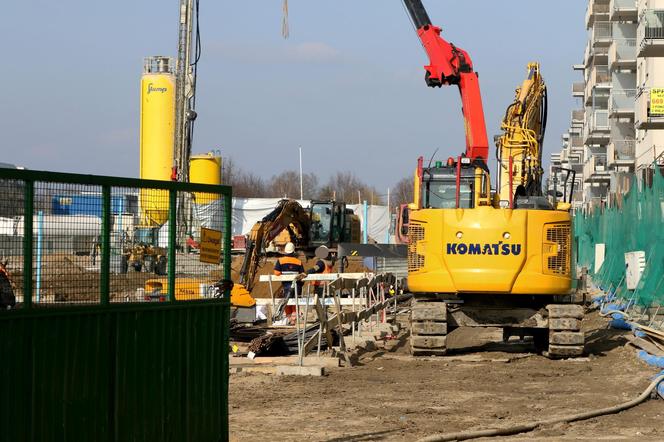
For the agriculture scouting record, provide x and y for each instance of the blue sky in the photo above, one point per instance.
(347, 85)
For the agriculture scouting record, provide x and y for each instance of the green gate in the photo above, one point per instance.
(117, 334)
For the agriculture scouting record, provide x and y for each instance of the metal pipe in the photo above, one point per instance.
(417, 13)
(28, 212)
(105, 264)
(40, 231)
(172, 232)
(365, 221)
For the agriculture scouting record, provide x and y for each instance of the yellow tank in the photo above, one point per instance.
(157, 132)
(205, 169)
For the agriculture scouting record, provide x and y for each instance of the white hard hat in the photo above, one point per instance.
(289, 248)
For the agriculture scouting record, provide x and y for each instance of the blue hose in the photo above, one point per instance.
(655, 361)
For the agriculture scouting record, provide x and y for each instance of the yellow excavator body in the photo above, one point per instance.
(489, 250)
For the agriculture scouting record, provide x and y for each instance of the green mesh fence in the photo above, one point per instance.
(635, 222)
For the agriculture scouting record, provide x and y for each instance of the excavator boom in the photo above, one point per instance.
(450, 65)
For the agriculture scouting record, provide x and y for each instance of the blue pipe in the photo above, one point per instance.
(655, 361)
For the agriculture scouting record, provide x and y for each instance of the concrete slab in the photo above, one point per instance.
(295, 370)
(329, 362)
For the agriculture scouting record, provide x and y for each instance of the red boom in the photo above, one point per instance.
(450, 65)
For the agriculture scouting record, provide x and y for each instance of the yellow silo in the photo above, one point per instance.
(157, 132)
(205, 169)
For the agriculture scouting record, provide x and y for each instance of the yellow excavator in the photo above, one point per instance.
(481, 258)
(323, 223)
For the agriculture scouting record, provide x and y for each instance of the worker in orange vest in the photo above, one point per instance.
(288, 264)
(324, 265)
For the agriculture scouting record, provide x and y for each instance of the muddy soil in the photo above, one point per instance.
(390, 396)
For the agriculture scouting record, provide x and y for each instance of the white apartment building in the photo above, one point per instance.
(650, 75)
(620, 133)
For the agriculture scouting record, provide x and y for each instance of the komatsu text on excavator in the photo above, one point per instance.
(482, 258)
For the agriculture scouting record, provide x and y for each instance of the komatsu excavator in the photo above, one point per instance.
(481, 258)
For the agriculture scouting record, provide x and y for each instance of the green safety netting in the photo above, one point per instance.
(635, 222)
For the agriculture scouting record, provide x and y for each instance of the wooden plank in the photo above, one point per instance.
(315, 277)
(324, 324)
(647, 346)
(302, 302)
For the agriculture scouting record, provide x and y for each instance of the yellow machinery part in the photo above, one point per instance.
(241, 297)
(205, 169)
(187, 289)
(156, 140)
(489, 250)
(523, 127)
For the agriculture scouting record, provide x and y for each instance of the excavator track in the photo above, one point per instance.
(428, 327)
(566, 340)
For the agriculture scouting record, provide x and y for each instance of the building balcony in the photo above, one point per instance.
(622, 103)
(622, 10)
(597, 95)
(650, 34)
(620, 153)
(622, 54)
(599, 76)
(578, 89)
(596, 11)
(577, 116)
(575, 142)
(646, 115)
(601, 34)
(597, 130)
(595, 170)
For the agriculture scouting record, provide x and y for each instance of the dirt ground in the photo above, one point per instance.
(390, 396)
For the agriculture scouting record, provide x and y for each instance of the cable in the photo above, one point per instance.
(524, 428)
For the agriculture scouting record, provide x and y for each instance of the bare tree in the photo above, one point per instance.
(403, 192)
(350, 189)
(250, 185)
(287, 184)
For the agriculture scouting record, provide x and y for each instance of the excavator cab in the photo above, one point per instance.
(332, 223)
(459, 184)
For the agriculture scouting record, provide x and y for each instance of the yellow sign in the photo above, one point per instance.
(210, 246)
(657, 101)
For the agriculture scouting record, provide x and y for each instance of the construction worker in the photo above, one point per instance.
(324, 265)
(7, 298)
(288, 264)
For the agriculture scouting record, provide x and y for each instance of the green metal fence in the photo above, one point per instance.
(634, 223)
(117, 333)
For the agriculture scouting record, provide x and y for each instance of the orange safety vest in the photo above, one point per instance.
(328, 269)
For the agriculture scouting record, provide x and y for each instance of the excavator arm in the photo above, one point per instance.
(450, 65)
(288, 215)
(519, 148)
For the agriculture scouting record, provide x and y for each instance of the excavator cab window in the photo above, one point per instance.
(321, 223)
(440, 189)
(337, 223)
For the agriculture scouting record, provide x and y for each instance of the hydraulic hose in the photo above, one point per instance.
(531, 426)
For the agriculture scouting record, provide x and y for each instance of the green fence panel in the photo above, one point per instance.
(634, 223)
(115, 337)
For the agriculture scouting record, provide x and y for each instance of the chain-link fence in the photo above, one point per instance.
(97, 341)
(74, 239)
(633, 224)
